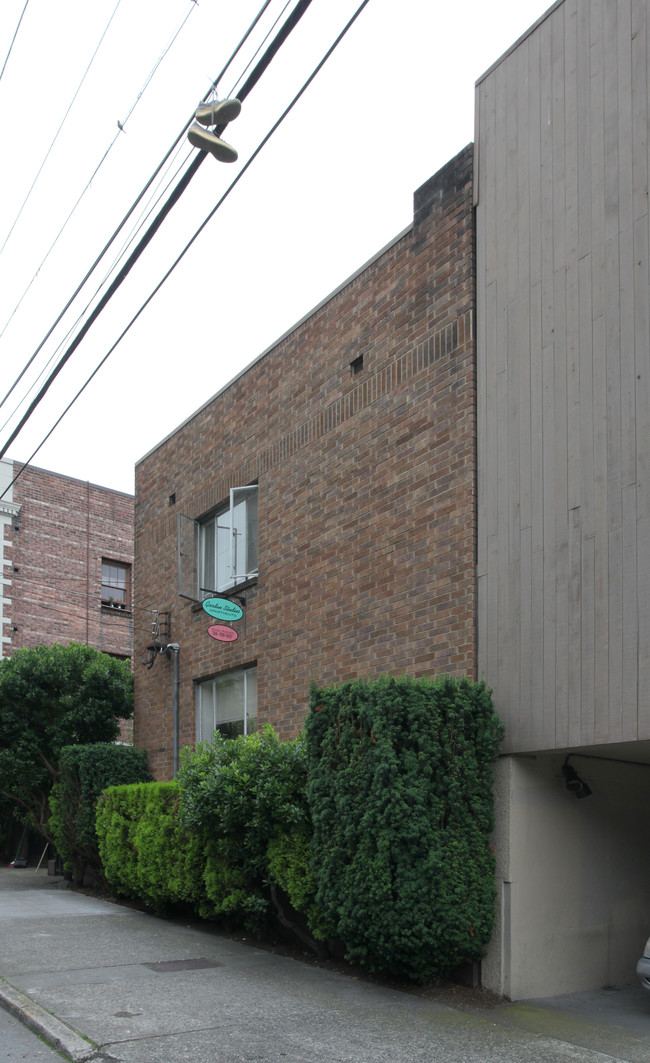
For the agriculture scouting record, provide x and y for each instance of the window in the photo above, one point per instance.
(228, 704)
(116, 584)
(220, 551)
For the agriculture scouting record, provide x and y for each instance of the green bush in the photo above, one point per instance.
(51, 697)
(290, 867)
(145, 850)
(237, 795)
(84, 772)
(400, 791)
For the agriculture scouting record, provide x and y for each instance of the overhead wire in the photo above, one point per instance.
(258, 49)
(63, 121)
(277, 42)
(13, 39)
(200, 229)
(127, 243)
(135, 203)
(99, 165)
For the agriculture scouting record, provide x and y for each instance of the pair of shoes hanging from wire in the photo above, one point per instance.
(214, 113)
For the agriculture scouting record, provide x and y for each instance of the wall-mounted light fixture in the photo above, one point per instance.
(573, 782)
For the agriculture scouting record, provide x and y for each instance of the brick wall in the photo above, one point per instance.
(366, 487)
(53, 558)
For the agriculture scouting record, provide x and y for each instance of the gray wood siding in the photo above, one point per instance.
(563, 346)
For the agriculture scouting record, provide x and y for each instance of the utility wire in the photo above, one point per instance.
(259, 48)
(56, 135)
(13, 39)
(101, 162)
(134, 204)
(192, 169)
(80, 316)
(171, 269)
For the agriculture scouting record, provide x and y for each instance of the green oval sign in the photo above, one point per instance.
(222, 609)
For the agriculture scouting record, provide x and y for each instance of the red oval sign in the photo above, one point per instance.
(222, 633)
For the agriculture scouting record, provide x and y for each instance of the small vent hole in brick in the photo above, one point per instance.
(357, 365)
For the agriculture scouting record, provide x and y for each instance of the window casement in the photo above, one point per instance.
(228, 704)
(219, 551)
(116, 584)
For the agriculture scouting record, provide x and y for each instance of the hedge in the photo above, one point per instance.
(84, 772)
(238, 795)
(232, 828)
(400, 793)
(145, 850)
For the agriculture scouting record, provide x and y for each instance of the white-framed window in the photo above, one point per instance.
(219, 551)
(116, 584)
(227, 703)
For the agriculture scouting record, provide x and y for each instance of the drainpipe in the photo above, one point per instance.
(175, 647)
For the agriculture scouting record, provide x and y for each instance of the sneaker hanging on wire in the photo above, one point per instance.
(218, 112)
(207, 141)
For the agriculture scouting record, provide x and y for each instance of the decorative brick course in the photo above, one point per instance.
(367, 487)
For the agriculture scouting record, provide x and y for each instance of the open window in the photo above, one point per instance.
(219, 551)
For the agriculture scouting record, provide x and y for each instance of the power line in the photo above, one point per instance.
(47, 153)
(147, 212)
(101, 162)
(13, 39)
(176, 262)
(259, 48)
(135, 203)
(192, 169)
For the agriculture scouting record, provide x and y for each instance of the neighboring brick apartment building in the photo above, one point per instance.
(67, 562)
(350, 446)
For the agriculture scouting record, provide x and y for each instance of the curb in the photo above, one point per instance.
(55, 1032)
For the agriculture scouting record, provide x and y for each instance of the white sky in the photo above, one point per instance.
(333, 185)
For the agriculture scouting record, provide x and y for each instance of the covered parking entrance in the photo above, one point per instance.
(573, 872)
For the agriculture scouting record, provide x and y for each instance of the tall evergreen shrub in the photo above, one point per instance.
(400, 792)
(84, 772)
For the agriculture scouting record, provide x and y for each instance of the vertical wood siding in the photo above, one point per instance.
(563, 347)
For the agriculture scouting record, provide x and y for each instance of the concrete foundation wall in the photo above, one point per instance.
(572, 905)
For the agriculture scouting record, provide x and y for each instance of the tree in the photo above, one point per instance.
(51, 697)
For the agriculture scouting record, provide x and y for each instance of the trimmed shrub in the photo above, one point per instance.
(144, 848)
(84, 772)
(400, 792)
(237, 795)
(290, 867)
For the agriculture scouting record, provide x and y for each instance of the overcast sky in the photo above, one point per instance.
(333, 185)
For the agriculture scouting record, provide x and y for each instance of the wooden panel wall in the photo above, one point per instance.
(561, 192)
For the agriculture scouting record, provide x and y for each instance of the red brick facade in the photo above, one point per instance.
(57, 532)
(366, 480)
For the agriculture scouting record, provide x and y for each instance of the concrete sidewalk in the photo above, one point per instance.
(103, 982)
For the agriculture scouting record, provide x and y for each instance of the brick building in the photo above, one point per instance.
(67, 562)
(407, 491)
(340, 465)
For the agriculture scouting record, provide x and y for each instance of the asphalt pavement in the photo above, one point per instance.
(101, 981)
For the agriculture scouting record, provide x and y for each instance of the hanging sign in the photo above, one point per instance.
(222, 633)
(223, 609)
